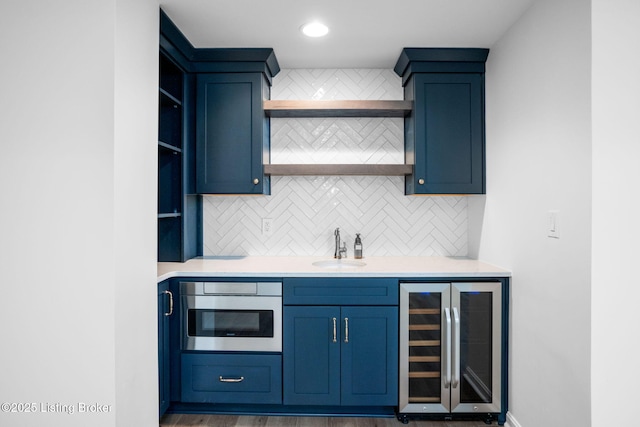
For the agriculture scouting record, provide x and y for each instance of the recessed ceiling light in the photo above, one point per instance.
(314, 29)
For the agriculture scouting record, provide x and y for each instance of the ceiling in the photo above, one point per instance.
(363, 33)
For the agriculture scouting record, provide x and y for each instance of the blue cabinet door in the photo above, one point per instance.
(232, 133)
(340, 355)
(311, 355)
(369, 356)
(444, 135)
(164, 312)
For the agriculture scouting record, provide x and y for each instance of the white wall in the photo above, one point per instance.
(539, 159)
(616, 229)
(135, 232)
(74, 208)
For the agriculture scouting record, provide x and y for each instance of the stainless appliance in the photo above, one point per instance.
(232, 316)
(450, 348)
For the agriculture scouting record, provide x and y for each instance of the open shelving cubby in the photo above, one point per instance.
(170, 135)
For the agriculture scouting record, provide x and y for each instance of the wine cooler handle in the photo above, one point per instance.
(346, 329)
(447, 358)
(455, 379)
(335, 330)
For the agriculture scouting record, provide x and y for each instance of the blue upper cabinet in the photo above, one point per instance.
(232, 133)
(445, 132)
(228, 87)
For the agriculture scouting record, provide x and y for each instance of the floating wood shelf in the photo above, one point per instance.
(339, 169)
(287, 108)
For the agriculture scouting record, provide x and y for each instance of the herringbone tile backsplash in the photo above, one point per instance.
(305, 210)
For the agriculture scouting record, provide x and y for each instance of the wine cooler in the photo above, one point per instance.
(451, 349)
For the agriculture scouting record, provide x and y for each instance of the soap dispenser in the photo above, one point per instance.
(357, 247)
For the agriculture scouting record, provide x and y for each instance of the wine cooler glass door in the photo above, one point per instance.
(450, 347)
(425, 342)
(476, 347)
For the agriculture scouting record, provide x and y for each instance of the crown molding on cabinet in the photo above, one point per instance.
(214, 60)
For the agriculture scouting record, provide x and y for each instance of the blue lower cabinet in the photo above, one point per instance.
(369, 356)
(344, 356)
(311, 355)
(232, 378)
(165, 312)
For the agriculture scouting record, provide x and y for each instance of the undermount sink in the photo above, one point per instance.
(339, 263)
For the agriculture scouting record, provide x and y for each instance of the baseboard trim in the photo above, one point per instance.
(511, 421)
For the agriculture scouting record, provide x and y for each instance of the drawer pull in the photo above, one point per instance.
(231, 380)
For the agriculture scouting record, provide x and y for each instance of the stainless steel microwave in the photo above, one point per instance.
(231, 316)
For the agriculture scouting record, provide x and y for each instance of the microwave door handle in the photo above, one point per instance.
(456, 348)
(447, 338)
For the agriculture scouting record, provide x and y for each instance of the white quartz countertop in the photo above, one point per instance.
(292, 266)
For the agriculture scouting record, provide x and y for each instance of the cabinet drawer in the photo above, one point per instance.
(340, 291)
(232, 378)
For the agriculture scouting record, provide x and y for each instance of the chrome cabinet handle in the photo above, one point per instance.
(346, 329)
(231, 380)
(335, 331)
(421, 181)
(256, 181)
(170, 303)
(455, 378)
(447, 358)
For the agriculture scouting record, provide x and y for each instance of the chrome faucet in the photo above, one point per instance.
(340, 250)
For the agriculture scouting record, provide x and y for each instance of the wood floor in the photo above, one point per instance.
(183, 420)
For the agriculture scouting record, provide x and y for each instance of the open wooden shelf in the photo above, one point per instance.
(337, 169)
(287, 108)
